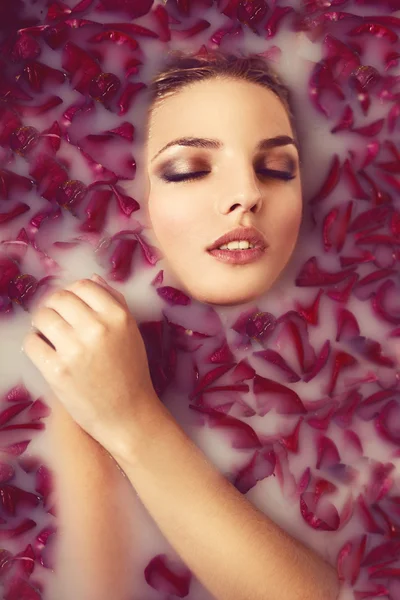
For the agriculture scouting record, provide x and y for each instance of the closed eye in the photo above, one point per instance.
(271, 173)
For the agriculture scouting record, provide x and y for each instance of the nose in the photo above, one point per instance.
(241, 191)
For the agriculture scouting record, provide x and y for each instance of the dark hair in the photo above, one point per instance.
(182, 68)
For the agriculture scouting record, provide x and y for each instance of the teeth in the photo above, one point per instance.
(237, 245)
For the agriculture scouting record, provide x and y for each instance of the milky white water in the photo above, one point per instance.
(318, 145)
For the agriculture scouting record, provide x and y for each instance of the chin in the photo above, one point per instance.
(232, 298)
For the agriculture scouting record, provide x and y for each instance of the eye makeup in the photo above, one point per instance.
(275, 167)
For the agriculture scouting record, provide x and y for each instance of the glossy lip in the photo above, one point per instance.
(250, 234)
(237, 257)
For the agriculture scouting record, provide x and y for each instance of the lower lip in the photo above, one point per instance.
(238, 257)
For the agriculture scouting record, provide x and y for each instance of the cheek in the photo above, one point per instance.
(171, 220)
(287, 221)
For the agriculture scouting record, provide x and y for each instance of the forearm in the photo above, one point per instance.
(233, 549)
(94, 547)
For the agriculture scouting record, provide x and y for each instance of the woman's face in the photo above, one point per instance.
(237, 183)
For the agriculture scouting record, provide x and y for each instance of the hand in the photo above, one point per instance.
(94, 358)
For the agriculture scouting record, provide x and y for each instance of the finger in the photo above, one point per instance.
(52, 326)
(95, 295)
(38, 350)
(71, 308)
(114, 293)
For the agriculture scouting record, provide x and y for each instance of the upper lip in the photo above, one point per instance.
(250, 234)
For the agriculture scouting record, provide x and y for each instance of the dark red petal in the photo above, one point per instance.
(372, 151)
(291, 441)
(81, 66)
(150, 253)
(370, 524)
(243, 436)
(103, 88)
(271, 394)
(131, 8)
(7, 472)
(320, 362)
(118, 37)
(126, 203)
(26, 110)
(382, 553)
(323, 518)
(132, 29)
(173, 296)
(25, 48)
(242, 372)
(328, 454)
(255, 325)
(96, 210)
(348, 327)
(276, 359)
(380, 299)
(310, 313)
(304, 481)
(354, 441)
(387, 423)
(274, 20)
(355, 186)
(161, 16)
(373, 216)
(346, 120)
(11, 497)
(371, 130)
(121, 260)
(376, 30)
(168, 577)
(344, 414)
(128, 96)
(342, 360)
(330, 182)
(23, 140)
(223, 354)
(209, 378)
(322, 417)
(260, 466)
(158, 279)
(9, 413)
(22, 289)
(19, 589)
(38, 410)
(39, 75)
(8, 271)
(18, 210)
(312, 275)
(125, 130)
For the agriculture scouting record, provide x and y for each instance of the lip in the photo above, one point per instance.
(237, 257)
(250, 234)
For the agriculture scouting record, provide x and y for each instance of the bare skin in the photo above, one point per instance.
(244, 561)
(96, 364)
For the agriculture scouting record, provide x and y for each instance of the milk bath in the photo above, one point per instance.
(82, 253)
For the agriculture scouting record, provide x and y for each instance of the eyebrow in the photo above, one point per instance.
(194, 142)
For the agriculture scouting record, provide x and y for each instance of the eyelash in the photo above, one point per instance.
(178, 178)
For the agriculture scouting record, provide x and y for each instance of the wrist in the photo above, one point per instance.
(136, 432)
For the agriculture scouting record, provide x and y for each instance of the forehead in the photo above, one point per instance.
(218, 107)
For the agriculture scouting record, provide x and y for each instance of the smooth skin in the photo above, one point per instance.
(94, 360)
(234, 550)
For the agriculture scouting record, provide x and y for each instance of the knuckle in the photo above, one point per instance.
(120, 316)
(60, 369)
(57, 297)
(81, 284)
(98, 329)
